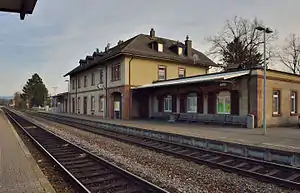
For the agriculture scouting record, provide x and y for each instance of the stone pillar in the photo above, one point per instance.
(177, 104)
(150, 106)
(205, 107)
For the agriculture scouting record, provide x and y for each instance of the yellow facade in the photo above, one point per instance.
(285, 83)
(145, 71)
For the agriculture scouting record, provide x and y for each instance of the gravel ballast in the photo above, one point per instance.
(174, 174)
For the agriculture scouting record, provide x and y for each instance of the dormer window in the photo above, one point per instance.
(179, 51)
(160, 47)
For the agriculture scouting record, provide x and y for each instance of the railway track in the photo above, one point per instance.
(88, 172)
(278, 174)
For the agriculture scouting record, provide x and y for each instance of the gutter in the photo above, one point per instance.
(142, 56)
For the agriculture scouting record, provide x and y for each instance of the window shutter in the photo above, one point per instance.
(234, 102)
(211, 102)
(174, 103)
(200, 103)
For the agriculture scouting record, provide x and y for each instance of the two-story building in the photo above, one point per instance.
(102, 83)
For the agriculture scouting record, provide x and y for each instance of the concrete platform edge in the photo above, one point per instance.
(246, 150)
(38, 172)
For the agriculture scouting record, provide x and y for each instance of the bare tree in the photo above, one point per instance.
(242, 31)
(290, 53)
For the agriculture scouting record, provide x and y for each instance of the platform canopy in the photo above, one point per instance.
(18, 6)
(196, 79)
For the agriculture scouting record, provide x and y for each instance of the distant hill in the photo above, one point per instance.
(6, 97)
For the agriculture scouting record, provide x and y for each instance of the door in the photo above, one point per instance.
(85, 105)
(143, 101)
(73, 105)
(66, 106)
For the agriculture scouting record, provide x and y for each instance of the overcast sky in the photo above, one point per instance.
(53, 39)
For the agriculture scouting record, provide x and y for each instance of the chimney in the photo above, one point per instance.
(188, 47)
(97, 50)
(82, 62)
(152, 33)
(120, 42)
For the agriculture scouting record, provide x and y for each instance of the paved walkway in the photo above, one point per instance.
(18, 169)
(285, 138)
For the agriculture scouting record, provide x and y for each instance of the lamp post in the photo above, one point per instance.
(265, 30)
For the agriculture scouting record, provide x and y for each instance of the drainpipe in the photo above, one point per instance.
(248, 89)
(76, 100)
(106, 93)
(129, 82)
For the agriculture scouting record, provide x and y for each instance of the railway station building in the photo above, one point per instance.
(149, 77)
(226, 97)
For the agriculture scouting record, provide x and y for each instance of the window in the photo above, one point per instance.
(223, 103)
(78, 82)
(168, 104)
(294, 102)
(93, 79)
(78, 105)
(179, 51)
(160, 47)
(192, 103)
(101, 76)
(115, 72)
(101, 104)
(181, 72)
(276, 102)
(161, 73)
(92, 103)
(85, 81)
(73, 84)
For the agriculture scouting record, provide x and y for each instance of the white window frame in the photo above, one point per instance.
(276, 96)
(168, 104)
(293, 98)
(181, 71)
(192, 99)
(162, 72)
(92, 103)
(92, 79)
(78, 104)
(223, 96)
(78, 82)
(102, 102)
(160, 47)
(179, 51)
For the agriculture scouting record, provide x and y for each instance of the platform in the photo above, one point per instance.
(18, 169)
(285, 138)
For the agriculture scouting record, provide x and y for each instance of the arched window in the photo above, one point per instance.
(101, 103)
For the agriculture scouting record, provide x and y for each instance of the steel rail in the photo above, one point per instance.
(130, 181)
(278, 174)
